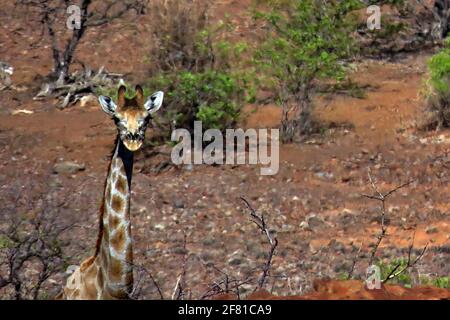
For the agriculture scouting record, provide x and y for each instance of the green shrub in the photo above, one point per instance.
(213, 97)
(438, 90)
(440, 282)
(306, 41)
(203, 74)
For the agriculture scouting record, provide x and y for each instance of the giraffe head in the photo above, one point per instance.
(132, 116)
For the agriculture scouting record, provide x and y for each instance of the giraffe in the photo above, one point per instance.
(108, 273)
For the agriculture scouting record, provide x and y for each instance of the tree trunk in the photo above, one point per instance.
(62, 61)
(441, 11)
(296, 118)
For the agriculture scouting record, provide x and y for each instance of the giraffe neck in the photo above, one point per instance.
(114, 247)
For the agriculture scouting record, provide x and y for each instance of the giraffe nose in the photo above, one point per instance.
(132, 136)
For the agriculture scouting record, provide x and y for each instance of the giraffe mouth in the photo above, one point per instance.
(132, 145)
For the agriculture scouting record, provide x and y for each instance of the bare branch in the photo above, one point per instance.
(260, 222)
(382, 197)
(409, 264)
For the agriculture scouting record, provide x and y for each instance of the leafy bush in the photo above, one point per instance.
(439, 282)
(202, 74)
(438, 90)
(306, 41)
(213, 97)
(442, 282)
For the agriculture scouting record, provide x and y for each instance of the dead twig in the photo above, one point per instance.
(141, 270)
(409, 263)
(260, 222)
(180, 287)
(381, 197)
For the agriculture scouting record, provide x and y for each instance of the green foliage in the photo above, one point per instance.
(306, 41)
(404, 278)
(213, 97)
(439, 282)
(439, 66)
(442, 282)
(438, 90)
(5, 242)
(214, 88)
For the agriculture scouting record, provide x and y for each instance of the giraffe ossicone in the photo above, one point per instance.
(108, 274)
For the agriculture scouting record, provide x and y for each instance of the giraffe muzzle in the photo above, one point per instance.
(133, 145)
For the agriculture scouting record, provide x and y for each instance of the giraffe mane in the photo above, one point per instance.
(102, 206)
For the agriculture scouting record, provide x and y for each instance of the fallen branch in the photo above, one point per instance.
(78, 85)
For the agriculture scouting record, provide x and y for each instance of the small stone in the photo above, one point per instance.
(304, 225)
(235, 261)
(326, 176)
(315, 221)
(178, 203)
(179, 250)
(55, 183)
(68, 167)
(209, 241)
(159, 226)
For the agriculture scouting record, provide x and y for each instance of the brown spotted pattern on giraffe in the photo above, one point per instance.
(117, 204)
(90, 282)
(118, 240)
(86, 264)
(113, 221)
(115, 270)
(121, 184)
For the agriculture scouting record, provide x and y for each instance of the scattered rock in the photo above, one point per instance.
(179, 250)
(21, 111)
(235, 261)
(337, 246)
(325, 176)
(159, 226)
(68, 167)
(315, 221)
(178, 203)
(209, 241)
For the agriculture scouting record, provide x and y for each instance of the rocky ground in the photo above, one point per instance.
(193, 216)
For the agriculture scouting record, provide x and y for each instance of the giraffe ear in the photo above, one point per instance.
(154, 102)
(139, 95)
(107, 105)
(121, 96)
